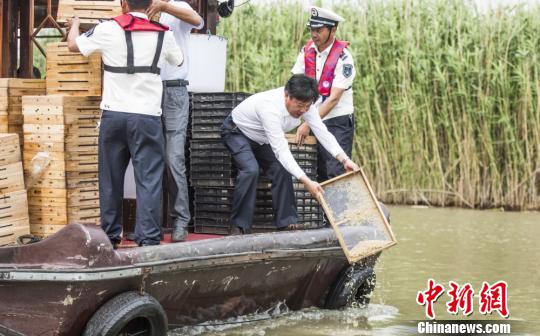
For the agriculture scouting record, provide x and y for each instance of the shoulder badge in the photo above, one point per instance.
(90, 32)
(347, 70)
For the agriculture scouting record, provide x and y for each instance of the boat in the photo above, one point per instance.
(75, 283)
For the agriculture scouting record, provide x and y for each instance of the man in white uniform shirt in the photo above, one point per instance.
(181, 19)
(329, 61)
(255, 135)
(131, 47)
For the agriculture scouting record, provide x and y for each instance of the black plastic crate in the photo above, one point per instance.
(225, 104)
(201, 120)
(202, 199)
(210, 175)
(218, 96)
(263, 192)
(200, 161)
(207, 145)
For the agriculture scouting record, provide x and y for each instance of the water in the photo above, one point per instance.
(463, 246)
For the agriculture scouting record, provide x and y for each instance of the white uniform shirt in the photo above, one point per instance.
(264, 119)
(343, 78)
(181, 31)
(135, 93)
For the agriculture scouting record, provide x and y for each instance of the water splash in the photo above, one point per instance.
(279, 320)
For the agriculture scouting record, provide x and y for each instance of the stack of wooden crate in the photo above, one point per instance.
(71, 73)
(11, 92)
(13, 203)
(60, 159)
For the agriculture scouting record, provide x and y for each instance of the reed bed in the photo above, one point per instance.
(446, 97)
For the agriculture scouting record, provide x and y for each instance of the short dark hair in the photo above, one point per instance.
(139, 4)
(303, 88)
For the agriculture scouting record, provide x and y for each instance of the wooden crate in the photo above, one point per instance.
(90, 12)
(13, 217)
(11, 92)
(11, 178)
(63, 129)
(71, 73)
(10, 151)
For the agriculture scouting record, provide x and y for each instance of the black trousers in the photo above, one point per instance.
(140, 137)
(343, 129)
(249, 156)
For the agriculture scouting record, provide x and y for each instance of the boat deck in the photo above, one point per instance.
(167, 239)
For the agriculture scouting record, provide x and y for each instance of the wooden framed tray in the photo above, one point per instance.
(356, 216)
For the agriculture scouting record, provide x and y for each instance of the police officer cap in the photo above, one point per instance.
(323, 17)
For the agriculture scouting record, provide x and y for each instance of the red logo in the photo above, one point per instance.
(461, 299)
(494, 298)
(491, 298)
(429, 297)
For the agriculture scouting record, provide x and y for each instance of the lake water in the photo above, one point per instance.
(464, 246)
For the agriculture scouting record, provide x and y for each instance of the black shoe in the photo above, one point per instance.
(146, 243)
(285, 228)
(236, 231)
(115, 244)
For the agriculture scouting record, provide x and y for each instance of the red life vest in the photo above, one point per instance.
(327, 76)
(134, 23)
(130, 23)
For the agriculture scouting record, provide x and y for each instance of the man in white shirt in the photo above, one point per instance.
(181, 19)
(255, 135)
(131, 47)
(329, 61)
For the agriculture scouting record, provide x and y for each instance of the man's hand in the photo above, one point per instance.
(301, 133)
(157, 6)
(313, 187)
(349, 165)
(73, 22)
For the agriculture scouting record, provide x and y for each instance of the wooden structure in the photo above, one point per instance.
(13, 204)
(22, 20)
(11, 92)
(71, 73)
(60, 160)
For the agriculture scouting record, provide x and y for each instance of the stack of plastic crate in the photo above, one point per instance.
(213, 173)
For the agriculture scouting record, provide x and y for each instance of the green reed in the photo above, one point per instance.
(446, 97)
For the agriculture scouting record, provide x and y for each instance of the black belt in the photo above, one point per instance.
(175, 82)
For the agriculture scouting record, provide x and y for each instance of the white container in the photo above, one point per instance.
(207, 61)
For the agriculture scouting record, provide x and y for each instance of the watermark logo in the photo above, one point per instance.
(491, 298)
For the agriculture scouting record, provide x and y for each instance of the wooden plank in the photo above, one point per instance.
(10, 151)
(11, 178)
(22, 83)
(74, 92)
(79, 130)
(46, 183)
(9, 227)
(90, 12)
(46, 201)
(13, 207)
(44, 229)
(71, 73)
(11, 238)
(48, 218)
(46, 192)
(44, 147)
